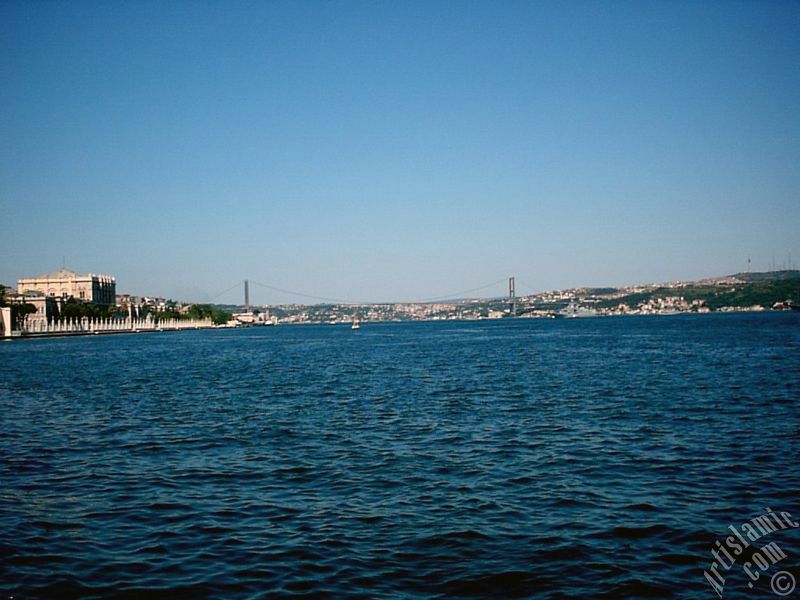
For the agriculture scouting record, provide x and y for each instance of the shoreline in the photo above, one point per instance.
(64, 334)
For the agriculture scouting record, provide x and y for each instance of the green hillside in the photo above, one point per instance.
(764, 289)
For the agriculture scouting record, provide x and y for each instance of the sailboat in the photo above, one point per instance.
(356, 323)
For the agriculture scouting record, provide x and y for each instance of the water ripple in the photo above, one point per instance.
(582, 458)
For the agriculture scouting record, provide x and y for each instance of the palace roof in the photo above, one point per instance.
(62, 273)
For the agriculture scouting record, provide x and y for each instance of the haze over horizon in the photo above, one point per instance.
(389, 152)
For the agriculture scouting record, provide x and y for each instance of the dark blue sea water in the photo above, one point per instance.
(581, 458)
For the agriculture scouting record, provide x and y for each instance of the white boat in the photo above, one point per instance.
(356, 323)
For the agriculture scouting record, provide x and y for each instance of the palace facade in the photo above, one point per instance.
(64, 284)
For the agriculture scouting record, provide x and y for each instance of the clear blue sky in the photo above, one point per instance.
(397, 150)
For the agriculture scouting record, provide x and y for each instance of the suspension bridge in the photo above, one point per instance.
(245, 284)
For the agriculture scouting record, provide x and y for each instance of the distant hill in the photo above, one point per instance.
(738, 291)
(768, 276)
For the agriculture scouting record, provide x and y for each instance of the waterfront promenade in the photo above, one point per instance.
(87, 326)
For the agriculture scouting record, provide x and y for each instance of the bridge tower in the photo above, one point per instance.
(512, 297)
(246, 296)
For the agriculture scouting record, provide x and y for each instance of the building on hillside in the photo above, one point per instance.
(64, 284)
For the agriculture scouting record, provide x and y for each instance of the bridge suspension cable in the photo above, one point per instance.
(455, 295)
(302, 295)
(462, 293)
(527, 286)
(235, 285)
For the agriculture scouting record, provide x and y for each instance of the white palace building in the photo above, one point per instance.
(50, 291)
(63, 284)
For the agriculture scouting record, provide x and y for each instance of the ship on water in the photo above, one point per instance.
(573, 311)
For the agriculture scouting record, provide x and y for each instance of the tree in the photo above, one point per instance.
(207, 311)
(20, 312)
(220, 317)
(200, 311)
(76, 310)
